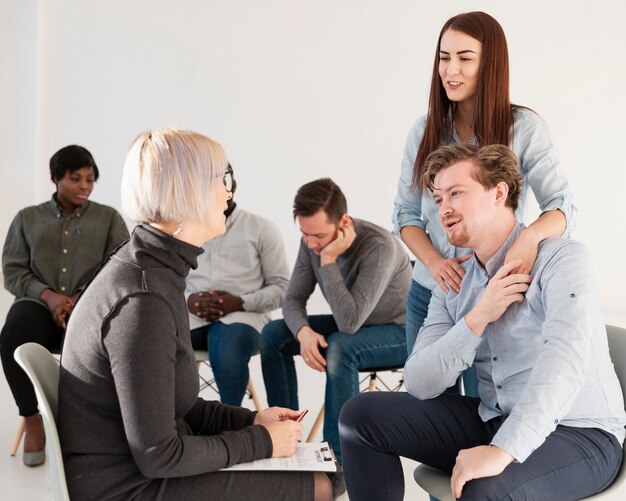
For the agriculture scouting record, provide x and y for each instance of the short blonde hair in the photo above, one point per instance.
(168, 176)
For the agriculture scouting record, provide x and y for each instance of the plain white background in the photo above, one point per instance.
(296, 90)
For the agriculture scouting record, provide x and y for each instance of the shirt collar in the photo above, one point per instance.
(497, 260)
(58, 212)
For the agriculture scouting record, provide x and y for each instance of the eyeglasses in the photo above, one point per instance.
(228, 179)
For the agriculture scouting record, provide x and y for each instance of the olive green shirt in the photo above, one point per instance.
(46, 248)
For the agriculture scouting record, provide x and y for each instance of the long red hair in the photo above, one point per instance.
(493, 112)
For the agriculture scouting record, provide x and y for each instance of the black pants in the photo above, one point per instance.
(377, 428)
(26, 322)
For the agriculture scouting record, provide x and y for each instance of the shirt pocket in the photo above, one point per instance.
(88, 247)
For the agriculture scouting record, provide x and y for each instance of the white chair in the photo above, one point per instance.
(21, 429)
(437, 483)
(43, 370)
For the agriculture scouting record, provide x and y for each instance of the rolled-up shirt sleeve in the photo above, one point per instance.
(407, 206)
(540, 165)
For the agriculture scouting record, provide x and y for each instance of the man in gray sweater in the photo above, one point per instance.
(364, 274)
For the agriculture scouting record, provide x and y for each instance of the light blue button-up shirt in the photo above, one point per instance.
(543, 362)
(539, 165)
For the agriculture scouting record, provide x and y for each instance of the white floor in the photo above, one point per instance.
(18, 482)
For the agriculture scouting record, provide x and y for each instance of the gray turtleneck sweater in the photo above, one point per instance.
(129, 412)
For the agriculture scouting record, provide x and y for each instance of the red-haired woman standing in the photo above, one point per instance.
(469, 103)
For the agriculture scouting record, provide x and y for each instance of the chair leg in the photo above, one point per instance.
(18, 437)
(254, 395)
(372, 386)
(316, 425)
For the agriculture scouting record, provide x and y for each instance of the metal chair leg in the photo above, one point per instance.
(253, 395)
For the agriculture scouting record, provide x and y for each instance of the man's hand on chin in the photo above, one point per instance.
(345, 237)
(478, 462)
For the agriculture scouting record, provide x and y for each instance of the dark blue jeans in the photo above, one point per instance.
(374, 346)
(416, 312)
(230, 347)
(377, 428)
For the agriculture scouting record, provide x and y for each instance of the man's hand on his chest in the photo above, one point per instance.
(502, 290)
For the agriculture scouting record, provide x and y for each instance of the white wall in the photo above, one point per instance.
(296, 89)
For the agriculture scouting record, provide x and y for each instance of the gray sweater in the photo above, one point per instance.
(368, 285)
(129, 412)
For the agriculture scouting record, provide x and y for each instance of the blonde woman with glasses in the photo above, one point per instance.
(130, 420)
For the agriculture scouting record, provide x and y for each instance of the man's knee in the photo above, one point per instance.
(339, 355)
(487, 489)
(356, 411)
(272, 336)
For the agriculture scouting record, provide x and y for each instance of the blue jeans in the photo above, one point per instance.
(379, 427)
(416, 312)
(376, 346)
(230, 347)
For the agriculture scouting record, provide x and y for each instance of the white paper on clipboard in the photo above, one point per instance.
(308, 457)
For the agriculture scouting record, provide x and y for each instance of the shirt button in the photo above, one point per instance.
(64, 251)
(64, 270)
(494, 358)
(556, 421)
(499, 387)
(66, 232)
(63, 288)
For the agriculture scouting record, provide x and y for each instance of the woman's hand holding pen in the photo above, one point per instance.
(284, 428)
(285, 436)
(275, 414)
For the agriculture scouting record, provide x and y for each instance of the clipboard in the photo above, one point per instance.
(308, 457)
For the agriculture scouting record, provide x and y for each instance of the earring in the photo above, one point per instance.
(179, 230)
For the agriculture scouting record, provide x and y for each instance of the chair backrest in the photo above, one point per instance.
(43, 370)
(438, 483)
(617, 348)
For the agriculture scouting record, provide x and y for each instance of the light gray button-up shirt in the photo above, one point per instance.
(539, 166)
(247, 261)
(543, 362)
